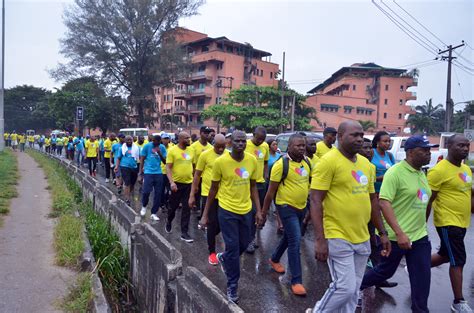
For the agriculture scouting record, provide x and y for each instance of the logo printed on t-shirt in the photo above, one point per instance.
(258, 154)
(385, 164)
(186, 156)
(422, 195)
(301, 171)
(242, 172)
(360, 177)
(465, 177)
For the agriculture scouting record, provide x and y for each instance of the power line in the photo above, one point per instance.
(464, 70)
(433, 44)
(425, 28)
(417, 63)
(469, 46)
(459, 84)
(464, 66)
(464, 58)
(407, 32)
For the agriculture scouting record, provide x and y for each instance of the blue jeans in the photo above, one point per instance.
(291, 219)
(79, 157)
(235, 229)
(419, 268)
(152, 182)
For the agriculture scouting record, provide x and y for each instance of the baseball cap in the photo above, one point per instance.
(228, 135)
(165, 136)
(205, 129)
(120, 135)
(329, 130)
(418, 141)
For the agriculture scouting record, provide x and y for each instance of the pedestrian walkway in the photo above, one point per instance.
(29, 280)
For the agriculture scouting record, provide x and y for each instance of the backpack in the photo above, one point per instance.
(286, 167)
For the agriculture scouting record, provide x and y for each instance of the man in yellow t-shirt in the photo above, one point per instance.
(291, 198)
(342, 203)
(199, 146)
(327, 143)
(234, 178)
(451, 184)
(204, 170)
(14, 140)
(108, 143)
(92, 150)
(179, 169)
(261, 151)
(22, 141)
(6, 137)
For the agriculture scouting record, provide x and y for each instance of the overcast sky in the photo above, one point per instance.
(319, 37)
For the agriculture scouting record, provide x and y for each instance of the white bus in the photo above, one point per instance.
(134, 132)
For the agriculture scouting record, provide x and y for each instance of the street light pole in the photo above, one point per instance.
(2, 91)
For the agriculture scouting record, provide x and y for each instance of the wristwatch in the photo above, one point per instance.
(383, 232)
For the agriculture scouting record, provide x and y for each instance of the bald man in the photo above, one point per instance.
(344, 180)
(204, 167)
(179, 169)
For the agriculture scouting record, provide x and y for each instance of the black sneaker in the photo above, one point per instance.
(232, 295)
(119, 190)
(168, 227)
(187, 238)
(386, 284)
(251, 247)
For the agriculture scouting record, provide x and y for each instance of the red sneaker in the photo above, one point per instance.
(213, 259)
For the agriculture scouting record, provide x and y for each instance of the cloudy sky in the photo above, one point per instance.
(319, 37)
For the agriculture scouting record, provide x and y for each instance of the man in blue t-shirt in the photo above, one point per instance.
(151, 157)
(79, 144)
(115, 153)
(127, 161)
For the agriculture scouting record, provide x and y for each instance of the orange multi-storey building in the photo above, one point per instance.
(219, 65)
(364, 92)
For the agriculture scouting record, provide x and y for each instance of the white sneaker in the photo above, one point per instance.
(461, 307)
(154, 217)
(143, 211)
(106, 180)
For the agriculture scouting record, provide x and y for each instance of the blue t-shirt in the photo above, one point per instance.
(101, 145)
(127, 160)
(116, 147)
(79, 144)
(381, 166)
(70, 146)
(272, 159)
(53, 140)
(152, 158)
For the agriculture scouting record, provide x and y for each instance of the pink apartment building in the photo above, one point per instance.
(367, 92)
(219, 65)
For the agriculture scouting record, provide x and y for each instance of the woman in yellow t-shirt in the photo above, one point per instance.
(92, 150)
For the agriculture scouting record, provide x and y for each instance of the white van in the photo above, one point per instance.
(134, 132)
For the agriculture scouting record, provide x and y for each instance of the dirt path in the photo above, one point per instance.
(29, 280)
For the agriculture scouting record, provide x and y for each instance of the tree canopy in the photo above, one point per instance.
(428, 119)
(126, 45)
(251, 106)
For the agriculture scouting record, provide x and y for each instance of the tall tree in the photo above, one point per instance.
(26, 107)
(251, 106)
(126, 45)
(427, 119)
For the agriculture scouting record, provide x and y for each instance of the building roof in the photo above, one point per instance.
(365, 67)
(227, 41)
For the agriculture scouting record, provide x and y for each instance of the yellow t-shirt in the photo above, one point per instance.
(198, 149)
(294, 189)
(262, 154)
(182, 161)
(47, 142)
(322, 149)
(31, 138)
(91, 148)
(21, 139)
(5, 136)
(205, 164)
(452, 206)
(234, 178)
(13, 137)
(163, 166)
(346, 207)
(65, 141)
(314, 160)
(108, 147)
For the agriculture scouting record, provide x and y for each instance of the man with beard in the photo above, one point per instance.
(127, 162)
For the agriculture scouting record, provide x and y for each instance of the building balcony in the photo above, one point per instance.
(188, 94)
(180, 110)
(193, 77)
(411, 96)
(195, 108)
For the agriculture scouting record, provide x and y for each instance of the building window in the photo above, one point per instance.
(385, 115)
(366, 101)
(230, 49)
(401, 101)
(348, 109)
(205, 48)
(401, 88)
(202, 68)
(399, 116)
(218, 100)
(271, 75)
(219, 66)
(354, 87)
(385, 102)
(261, 73)
(386, 87)
(220, 46)
(329, 108)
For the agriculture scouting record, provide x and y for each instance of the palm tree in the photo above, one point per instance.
(427, 119)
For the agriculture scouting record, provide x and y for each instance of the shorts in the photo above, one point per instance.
(129, 175)
(452, 244)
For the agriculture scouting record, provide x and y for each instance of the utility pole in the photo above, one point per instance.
(2, 91)
(282, 92)
(293, 103)
(449, 102)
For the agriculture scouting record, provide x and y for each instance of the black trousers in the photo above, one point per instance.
(213, 228)
(107, 167)
(180, 196)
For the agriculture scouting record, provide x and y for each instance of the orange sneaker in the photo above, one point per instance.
(277, 267)
(298, 289)
(213, 259)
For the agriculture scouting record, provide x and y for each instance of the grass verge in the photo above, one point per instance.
(112, 259)
(8, 180)
(79, 295)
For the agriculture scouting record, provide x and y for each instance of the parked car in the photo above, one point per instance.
(269, 136)
(282, 139)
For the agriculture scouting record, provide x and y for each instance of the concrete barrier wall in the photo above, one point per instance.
(160, 282)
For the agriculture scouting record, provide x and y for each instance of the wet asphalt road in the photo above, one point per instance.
(262, 290)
